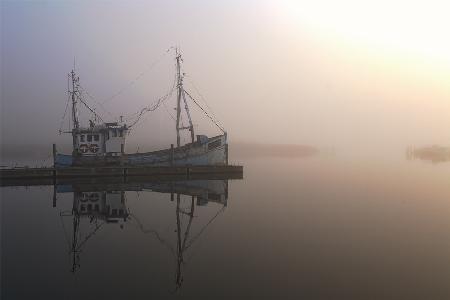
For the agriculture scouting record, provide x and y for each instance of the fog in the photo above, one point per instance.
(269, 74)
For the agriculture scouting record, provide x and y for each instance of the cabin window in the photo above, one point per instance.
(89, 207)
(96, 207)
(114, 133)
(89, 138)
(114, 212)
(214, 144)
(82, 208)
(96, 138)
(107, 135)
(120, 132)
(82, 138)
(122, 148)
(120, 212)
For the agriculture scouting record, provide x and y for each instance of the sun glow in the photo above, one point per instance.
(418, 28)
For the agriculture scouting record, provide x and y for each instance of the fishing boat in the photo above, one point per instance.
(103, 143)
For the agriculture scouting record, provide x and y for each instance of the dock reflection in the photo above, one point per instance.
(103, 204)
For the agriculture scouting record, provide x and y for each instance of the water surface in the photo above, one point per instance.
(318, 228)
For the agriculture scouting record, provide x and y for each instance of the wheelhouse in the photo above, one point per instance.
(107, 139)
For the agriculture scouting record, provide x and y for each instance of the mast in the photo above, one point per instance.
(75, 94)
(75, 122)
(180, 94)
(191, 127)
(180, 88)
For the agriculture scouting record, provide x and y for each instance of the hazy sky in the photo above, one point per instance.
(358, 73)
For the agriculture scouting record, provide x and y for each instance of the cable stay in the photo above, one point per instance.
(193, 239)
(205, 112)
(100, 104)
(138, 115)
(132, 82)
(96, 229)
(65, 110)
(150, 108)
(154, 233)
(201, 96)
(97, 116)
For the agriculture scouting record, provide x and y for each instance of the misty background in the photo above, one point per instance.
(272, 72)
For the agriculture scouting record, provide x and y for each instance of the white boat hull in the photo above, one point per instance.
(204, 152)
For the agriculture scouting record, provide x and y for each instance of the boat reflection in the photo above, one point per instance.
(104, 204)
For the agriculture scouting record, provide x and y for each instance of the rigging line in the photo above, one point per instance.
(132, 116)
(45, 160)
(218, 126)
(81, 91)
(168, 94)
(65, 232)
(88, 107)
(153, 107)
(155, 233)
(145, 110)
(137, 125)
(168, 112)
(201, 96)
(100, 104)
(151, 66)
(64, 116)
(89, 236)
(186, 232)
(204, 228)
(173, 88)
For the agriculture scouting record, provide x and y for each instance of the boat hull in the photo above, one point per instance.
(204, 152)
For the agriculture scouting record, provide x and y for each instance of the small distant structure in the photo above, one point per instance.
(434, 153)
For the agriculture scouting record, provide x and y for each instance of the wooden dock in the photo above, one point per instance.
(16, 176)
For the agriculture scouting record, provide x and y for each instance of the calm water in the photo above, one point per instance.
(316, 228)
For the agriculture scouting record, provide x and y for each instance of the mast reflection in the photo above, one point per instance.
(105, 204)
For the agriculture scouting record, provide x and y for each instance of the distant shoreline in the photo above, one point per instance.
(272, 150)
